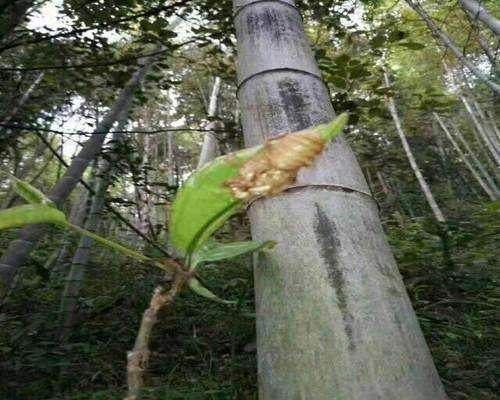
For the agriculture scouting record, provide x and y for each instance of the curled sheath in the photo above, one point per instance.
(275, 167)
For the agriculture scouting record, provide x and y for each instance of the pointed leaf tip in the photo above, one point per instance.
(332, 129)
(29, 193)
(196, 286)
(220, 251)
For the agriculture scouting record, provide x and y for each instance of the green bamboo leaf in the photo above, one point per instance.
(27, 214)
(214, 251)
(114, 245)
(333, 129)
(196, 286)
(29, 193)
(204, 203)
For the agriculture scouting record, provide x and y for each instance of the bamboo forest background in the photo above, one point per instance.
(149, 86)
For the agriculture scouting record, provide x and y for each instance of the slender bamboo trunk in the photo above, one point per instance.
(485, 153)
(489, 191)
(487, 126)
(450, 178)
(383, 183)
(479, 140)
(77, 216)
(493, 123)
(475, 107)
(171, 177)
(75, 277)
(19, 105)
(210, 148)
(478, 11)
(333, 317)
(143, 194)
(81, 258)
(18, 251)
(475, 159)
(369, 180)
(447, 42)
(480, 129)
(391, 105)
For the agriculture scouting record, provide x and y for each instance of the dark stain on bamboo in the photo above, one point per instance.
(329, 243)
(266, 20)
(293, 103)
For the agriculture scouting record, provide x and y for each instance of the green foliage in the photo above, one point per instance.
(19, 216)
(203, 204)
(43, 211)
(199, 345)
(455, 302)
(29, 193)
(195, 285)
(213, 251)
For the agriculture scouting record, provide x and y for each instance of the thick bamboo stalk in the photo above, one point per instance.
(333, 318)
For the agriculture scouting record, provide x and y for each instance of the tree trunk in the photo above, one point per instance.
(77, 216)
(333, 317)
(476, 160)
(411, 158)
(480, 129)
(383, 183)
(80, 261)
(75, 277)
(447, 42)
(210, 148)
(18, 251)
(488, 128)
(143, 193)
(493, 123)
(489, 191)
(478, 11)
(19, 104)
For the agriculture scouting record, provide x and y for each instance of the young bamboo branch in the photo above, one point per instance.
(138, 357)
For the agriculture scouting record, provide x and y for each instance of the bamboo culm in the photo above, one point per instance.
(391, 105)
(17, 252)
(489, 191)
(446, 41)
(210, 147)
(333, 317)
